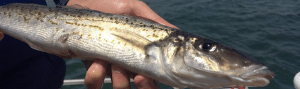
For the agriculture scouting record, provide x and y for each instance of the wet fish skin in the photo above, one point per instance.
(168, 55)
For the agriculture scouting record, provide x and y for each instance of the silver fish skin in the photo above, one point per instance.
(168, 55)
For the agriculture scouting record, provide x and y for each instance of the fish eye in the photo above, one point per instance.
(207, 46)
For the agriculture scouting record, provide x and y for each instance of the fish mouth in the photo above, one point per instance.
(258, 76)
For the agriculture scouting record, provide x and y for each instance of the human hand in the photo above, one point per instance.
(120, 78)
(98, 69)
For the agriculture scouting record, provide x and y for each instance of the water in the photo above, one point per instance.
(269, 30)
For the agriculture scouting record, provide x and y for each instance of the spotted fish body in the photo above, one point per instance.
(168, 55)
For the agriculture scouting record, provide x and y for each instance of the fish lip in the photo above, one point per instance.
(258, 72)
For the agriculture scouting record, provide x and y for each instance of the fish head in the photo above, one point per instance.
(196, 61)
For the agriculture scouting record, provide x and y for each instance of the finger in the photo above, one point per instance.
(1, 35)
(95, 75)
(143, 82)
(120, 78)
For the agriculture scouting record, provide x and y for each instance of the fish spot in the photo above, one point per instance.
(165, 36)
(39, 14)
(79, 17)
(153, 35)
(77, 24)
(52, 22)
(20, 14)
(113, 28)
(25, 19)
(98, 27)
(112, 41)
(176, 40)
(64, 38)
(9, 15)
(22, 9)
(67, 14)
(69, 23)
(160, 40)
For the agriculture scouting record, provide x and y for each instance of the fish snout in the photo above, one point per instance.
(258, 75)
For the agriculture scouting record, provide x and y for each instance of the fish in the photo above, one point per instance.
(168, 55)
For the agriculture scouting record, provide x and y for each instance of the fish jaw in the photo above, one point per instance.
(257, 76)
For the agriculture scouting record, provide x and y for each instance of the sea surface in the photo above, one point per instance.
(269, 30)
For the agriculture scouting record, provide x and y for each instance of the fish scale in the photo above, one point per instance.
(168, 55)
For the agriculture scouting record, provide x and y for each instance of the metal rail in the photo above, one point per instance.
(107, 80)
(81, 81)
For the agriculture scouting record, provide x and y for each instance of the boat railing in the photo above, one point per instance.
(106, 80)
